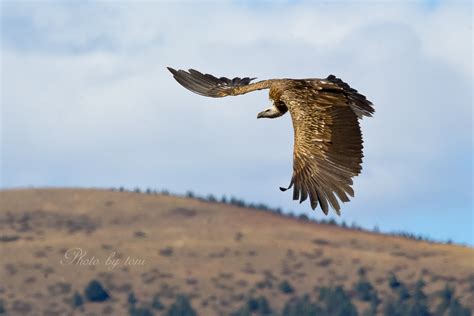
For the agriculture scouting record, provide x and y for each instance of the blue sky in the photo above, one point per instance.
(87, 102)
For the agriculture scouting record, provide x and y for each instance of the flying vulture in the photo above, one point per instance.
(325, 113)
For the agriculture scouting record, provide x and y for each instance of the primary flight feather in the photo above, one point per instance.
(327, 150)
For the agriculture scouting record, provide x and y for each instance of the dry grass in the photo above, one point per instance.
(215, 253)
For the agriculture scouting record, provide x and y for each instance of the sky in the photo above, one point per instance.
(86, 101)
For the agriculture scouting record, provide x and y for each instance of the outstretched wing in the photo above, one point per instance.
(328, 141)
(210, 86)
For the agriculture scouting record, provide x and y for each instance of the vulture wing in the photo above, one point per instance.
(328, 141)
(210, 86)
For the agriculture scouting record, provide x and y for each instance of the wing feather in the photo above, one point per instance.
(328, 141)
(210, 86)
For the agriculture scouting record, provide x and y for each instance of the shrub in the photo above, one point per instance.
(303, 217)
(418, 305)
(254, 306)
(132, 300)
(141, 311)
(374, 303)
(167, 252)
(2, 307)
(365, 291)
(211, 198)
(258, 305)
(332, 221)
(285, 287)
(301, 307)
(403, 293)
(392, 308)
(94, 292)
(456, 309)
(336, 302)
(77, 300)
(156, 303)
(449, 304)
(414, 304)
(181, 307)
(393, 281)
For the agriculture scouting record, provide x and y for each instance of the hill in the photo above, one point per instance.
(150, 248)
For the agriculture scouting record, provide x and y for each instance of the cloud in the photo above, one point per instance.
(86, 99)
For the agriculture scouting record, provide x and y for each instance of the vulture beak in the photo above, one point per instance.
(260, 115)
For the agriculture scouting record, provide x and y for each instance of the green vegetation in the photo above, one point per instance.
(415, 303)
(365, 290)
(336, 302)
(301, 307)
(393, 281)
(181, 307)
(449, 304)
(140, 311)
(255, 307)
(285, 287)
(2, 307)
(77, 301)
(94, 292)
(156, 303)
(132, 300)
(403, 300)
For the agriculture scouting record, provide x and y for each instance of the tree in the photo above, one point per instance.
(449, 304)
(303, 217)
(255, 306)
(94, 292)
(132, 300)
(456, 309)
(301, 307)
(402, 292)
(211, 198)
(374, 303)
(140, 311)
(285, 287)
(392, 308)
(156, 303)
(224, 199)
(336, 302)
(414, 304)
(393, 281)
(365, 291)
(77, 301)
(181, 307)
(418, 305)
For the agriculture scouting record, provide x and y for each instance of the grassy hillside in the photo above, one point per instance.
(219, 256)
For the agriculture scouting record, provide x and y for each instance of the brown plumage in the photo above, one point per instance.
(325, 113)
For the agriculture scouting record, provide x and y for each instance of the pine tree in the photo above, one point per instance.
(181, 307)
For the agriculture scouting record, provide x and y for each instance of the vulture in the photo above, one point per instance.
(325, 113)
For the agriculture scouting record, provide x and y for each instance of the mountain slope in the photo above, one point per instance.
(215, 253)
